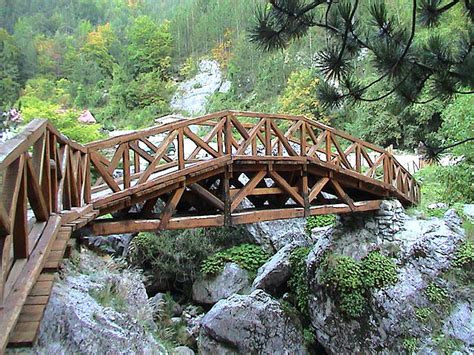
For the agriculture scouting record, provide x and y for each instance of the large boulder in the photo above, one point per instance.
(232, 279)
(276, 271)
(274, 235)
(422, 250)
(252, 324)
(98, 309)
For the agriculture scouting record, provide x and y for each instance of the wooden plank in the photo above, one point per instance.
(14, 302)
(181, 162)
(25, 334)
(104, 172)
(20, 222)
(342, 194)
(126, 166)
(200, 143)
(35, 194)
(283, 139)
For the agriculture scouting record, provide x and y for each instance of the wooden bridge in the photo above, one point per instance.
(222, 169)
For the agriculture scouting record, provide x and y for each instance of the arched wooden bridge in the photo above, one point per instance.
(226, 168)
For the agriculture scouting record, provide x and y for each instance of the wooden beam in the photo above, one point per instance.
(170, 207)
(317, 188)
(35, 194)
(342, 195)
(109, 180)
(283, 184)
(247, 189)
(208, 196)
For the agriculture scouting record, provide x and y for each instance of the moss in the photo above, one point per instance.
(320, 221)
(423, 314)
(410, 345)
(436, 294)
(464, 255)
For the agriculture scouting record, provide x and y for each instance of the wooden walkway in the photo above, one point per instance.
(222, 169)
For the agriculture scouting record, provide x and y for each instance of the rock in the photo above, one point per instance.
(276, 271)
(274, 235)
(460, 324)
(192, 95)
(86, 117)
(255, 324)
(97, 309)
(469, 211)
(435, 206)
(159, 304)
(423, 250)
(115, 244)
(182, 350)
(232, 279)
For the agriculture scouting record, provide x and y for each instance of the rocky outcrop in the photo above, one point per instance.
(98, 309)
(192, 95)
(422, 250)
(276, 271)
(254, 324)
(274, 235)
(115, 244)
(232, 279)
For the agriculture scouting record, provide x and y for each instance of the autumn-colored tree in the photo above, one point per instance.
(98, 45)
(299, 96)
(222, 52)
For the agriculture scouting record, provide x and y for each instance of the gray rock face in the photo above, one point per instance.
(469, 211)
(276, 271)
(274, 235)
(423, 250)
(253, 324)
(192, 94)
(232, 279)
(160, 301)
(98, 310)
(115, 244)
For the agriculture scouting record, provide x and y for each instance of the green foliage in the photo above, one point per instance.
(248, 256)
(446, 344)
(189, 68)
(320, 221)
(109, 296)
(174, 257)
(299, 96)
(464, 255)
(351, 281)
(423, 314)
(378, 270)
(9, 70)
(410, 345)
(436, 294)
(309, 336)
(298, 281)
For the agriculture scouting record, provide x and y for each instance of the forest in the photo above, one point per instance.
(122, 61)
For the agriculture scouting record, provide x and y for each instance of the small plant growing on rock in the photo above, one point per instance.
(298, 280)
(351, 281)
(248, 256)
(320, 221)
(423, 314)
(109, 296)
(410, 345)
(464, 255)
(436, 294)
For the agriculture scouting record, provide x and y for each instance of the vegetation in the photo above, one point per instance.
(351, 281)
(174, 257)
(298, 282)
(109, 296)
(410, 345)
(436, 294)
(320, 221)
(248, 256)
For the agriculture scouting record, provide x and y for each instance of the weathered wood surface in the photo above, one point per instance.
(225, 168)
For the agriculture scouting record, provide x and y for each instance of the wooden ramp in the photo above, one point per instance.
(223, 169)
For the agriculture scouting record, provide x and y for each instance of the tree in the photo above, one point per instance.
(415, 71)
(150, 46)
(9, 71)
(97, 47)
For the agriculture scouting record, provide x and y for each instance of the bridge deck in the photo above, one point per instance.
(221, 169)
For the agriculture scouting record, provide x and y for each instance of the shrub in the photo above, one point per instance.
(320, 221)
(351, 281)
(248, 256)
(175, 256)
(410, 345)
(423, 314)
(298, 280)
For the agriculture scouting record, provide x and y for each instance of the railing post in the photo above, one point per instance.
(228, 135)
(181, 149)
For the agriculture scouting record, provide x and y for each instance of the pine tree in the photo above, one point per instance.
(360, 29)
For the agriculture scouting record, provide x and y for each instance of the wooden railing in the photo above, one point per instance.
(45, 175)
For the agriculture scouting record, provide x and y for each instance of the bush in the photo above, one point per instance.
(436, 294)
(351, 281)
(174, 257)
(464, 255)
(248, 256)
